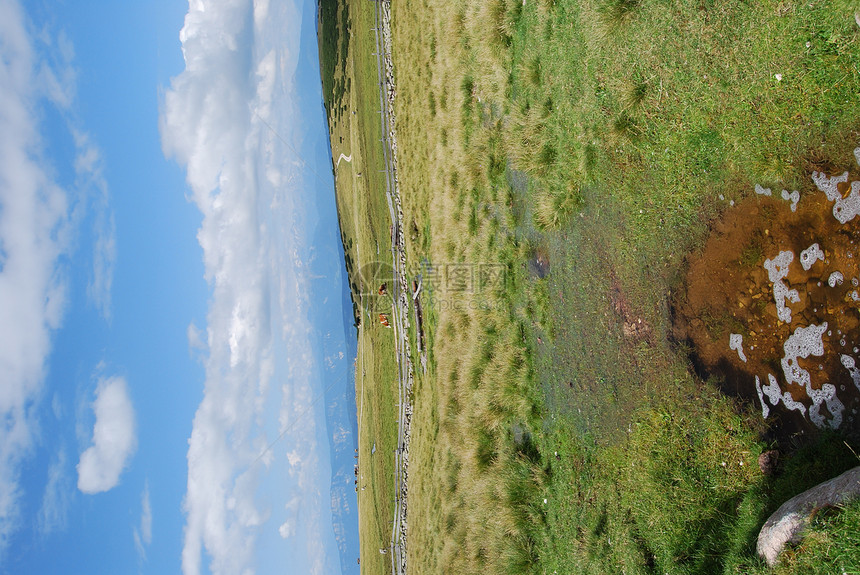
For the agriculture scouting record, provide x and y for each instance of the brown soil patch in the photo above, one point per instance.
(538, 264)
(633, 327)
(727, 290)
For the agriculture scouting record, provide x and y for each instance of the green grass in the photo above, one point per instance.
(613, 14)
(349, 68)
(600, 132)
(675, 497)
(832, 546)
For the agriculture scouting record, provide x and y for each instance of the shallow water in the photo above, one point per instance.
(765, 279)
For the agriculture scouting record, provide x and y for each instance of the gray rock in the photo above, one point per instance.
(788, 523)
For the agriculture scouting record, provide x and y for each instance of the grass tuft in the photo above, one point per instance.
(627, 127)
(556, 206)
(635, 95)
(613, 14)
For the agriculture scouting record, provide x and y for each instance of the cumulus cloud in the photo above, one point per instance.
(38, 223)
(34, 226)
(288, 527)
(225, 118)
(114, 438)
(204, 124)
(287, 530)
(143, 533)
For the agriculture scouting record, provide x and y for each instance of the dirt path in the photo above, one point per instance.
(348, 160)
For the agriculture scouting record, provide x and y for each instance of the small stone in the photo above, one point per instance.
(768, 461)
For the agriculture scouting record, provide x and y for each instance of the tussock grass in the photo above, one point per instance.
(636, 116)
(615, 13)
(556, 206)
(533, 72)
(634, 95)
(627, 127)
(527, 146)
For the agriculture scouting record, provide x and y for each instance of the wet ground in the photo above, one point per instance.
(775, 295)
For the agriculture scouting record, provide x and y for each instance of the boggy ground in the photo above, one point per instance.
(728, 291)
(581, 144)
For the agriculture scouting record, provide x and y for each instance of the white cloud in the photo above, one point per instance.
(57, 406)
(143, 533)
(53, 514)
(56, 77)
(38, 224)
(288, 527)
(219, 119)
(89, 174)
(195, 339)
(56, 80)
(294, 458)
(114, 438)
(287, 530)
(34, 227)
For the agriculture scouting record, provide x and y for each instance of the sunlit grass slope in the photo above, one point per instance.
(582, 149)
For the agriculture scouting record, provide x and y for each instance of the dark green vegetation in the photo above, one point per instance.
(582, 148)
(334, 47)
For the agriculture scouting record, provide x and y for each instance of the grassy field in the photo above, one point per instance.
(352, 102)
(558, 162)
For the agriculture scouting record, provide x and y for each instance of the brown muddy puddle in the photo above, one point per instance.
(772, 304)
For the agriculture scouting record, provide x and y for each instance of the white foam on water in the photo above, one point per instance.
(826, 395)
(792, 197)
(772, 392)
(765, 410)
(851, 365)
(792, 405)
(844, 209)
(777, 270)
(762, 191)
(774, 395)
(805, 341)
(835, 279)
(828, 185)
(736, 342)
(811, 255)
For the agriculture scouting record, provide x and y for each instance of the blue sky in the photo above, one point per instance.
(171, 292)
